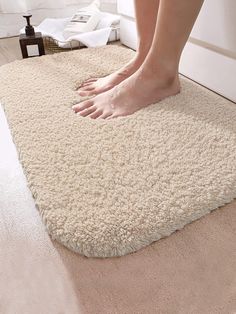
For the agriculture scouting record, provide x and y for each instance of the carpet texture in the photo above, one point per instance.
(108, 188)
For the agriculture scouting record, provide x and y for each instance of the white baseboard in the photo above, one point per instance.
(211, 69)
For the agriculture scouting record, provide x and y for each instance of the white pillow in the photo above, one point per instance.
(84, 20)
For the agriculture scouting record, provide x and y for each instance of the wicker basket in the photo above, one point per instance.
(52, 46)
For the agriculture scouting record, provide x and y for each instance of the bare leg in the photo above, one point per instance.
(158, 77)
(146, 29)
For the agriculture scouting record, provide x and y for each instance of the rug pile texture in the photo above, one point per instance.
(108, 188)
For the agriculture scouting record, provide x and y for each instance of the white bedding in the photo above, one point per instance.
(54, 28)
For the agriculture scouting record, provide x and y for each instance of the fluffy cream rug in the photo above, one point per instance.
(108, 188)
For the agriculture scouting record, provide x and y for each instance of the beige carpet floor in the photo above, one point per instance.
(110, 188)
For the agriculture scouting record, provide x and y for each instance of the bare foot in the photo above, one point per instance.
(97, 86)
(136, 92)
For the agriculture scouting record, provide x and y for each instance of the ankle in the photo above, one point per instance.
(164, 71)
(144, 46)
(139, 59)
(165, 74)
(133, 65)
(161, 80)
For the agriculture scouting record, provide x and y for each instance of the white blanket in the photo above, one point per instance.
(54, 28)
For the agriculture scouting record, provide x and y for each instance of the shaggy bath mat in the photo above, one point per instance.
(108, 188)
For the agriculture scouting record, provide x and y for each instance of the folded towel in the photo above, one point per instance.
(84, 20)
(108, 20)
(96, 38)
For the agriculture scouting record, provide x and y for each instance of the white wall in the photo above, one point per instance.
(216, 24)
(10, 24)
(210, 55)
